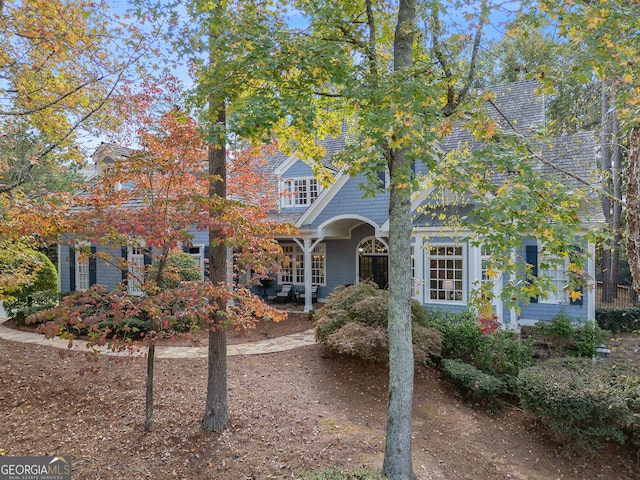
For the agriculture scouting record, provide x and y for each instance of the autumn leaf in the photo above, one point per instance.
(575, 295)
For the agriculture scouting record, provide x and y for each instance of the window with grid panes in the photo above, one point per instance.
(446, 273)
(317, 265)
(558, 280)
(293, 267)
(287, 267)
(82, 271)
(300, 192)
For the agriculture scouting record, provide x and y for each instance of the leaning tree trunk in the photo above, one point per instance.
(633, 207)
(397, 455)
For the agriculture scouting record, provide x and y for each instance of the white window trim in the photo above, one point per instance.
(417, 267)
(288, 198)
(133, 288)
(427, 286)
(103, 168)
(561, 295)
(298, 276)
(198, 257)
(77, 254)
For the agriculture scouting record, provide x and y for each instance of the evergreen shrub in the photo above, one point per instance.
(583, 403)
(39, 295)
(618, 320)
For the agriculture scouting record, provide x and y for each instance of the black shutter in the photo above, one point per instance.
(147, 256)
(579, 301)
(92, 267)
(531, 257)
(72, 269)
(206, 261)
(124, 253)
(382, 177)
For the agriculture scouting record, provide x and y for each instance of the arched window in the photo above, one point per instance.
(372, 246)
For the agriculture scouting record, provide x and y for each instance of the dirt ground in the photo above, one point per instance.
(290, 411)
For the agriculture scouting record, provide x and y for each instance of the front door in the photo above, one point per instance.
(375, 268)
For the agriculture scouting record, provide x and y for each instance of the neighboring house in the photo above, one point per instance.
(343, 237)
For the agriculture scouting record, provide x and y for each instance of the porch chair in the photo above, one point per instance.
(284, 295)
(314, 294)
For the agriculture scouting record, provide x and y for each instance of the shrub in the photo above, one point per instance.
(504, 354)
(589, 337)
(342, 474)
(354, 322)
(569, 338)
(39, 295)
(99, 313)
(473, 382)
(618, 320)
(371, 310)
(358, 340)
(180, 267)
(427, 344)
(134, 328)
(581, 402)
(501, 354)
(461, 334)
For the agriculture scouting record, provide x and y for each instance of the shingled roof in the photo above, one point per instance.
(515, 106)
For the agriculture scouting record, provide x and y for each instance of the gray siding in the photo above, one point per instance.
(350, 201)
(297, 170)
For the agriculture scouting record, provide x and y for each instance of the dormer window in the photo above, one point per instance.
(299, 192)
(104, 166)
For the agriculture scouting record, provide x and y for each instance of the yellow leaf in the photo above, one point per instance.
(573, 295)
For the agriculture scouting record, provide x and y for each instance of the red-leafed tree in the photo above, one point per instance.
(164, 199)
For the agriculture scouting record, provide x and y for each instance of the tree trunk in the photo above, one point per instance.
(216, 414)
(397, 456)
(605, 166)
(633, 207)
(617, 205)
(148, 423)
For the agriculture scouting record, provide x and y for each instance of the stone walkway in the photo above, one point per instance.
(272, 345)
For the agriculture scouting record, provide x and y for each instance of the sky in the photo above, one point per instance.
(177, 66)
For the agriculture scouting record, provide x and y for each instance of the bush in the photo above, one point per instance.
(180, 267)
(354, 322)
(39, 295)
(473, 382)
(461, 334)
(133, 329)
(342, 474)
(581, 402)
(102, 314)
(501, 354)
(618, 320)
(566, 337)
(427, 344)
(358, 340)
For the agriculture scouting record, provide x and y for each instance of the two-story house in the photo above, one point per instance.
(343, 237)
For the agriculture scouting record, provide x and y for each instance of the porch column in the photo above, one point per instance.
(308, 298)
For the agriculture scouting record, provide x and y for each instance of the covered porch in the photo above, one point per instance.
(341, 251)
